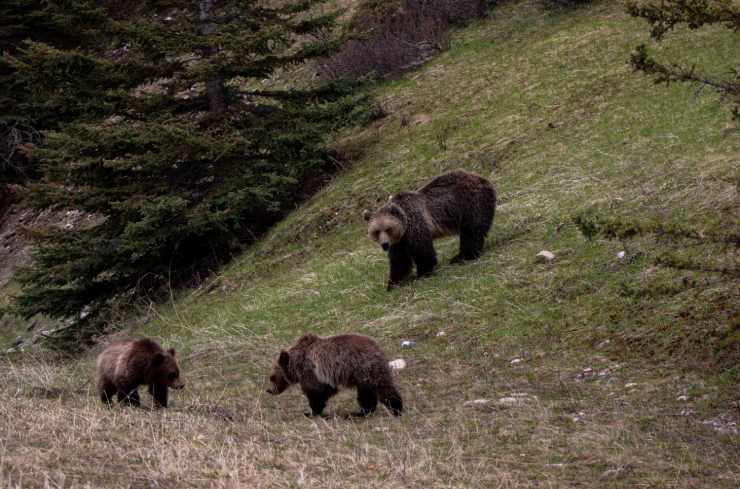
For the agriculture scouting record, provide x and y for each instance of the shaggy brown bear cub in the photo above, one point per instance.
(455, 203)
(323, 365)
(125, 365)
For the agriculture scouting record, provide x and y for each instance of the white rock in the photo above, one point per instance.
(621, 255)
(440, 334)
(408, 344)
(516, 361)
(682, 398)
(509, 401)
(545, 256)
(397, 364)
(630, 385)
(615, 473)
(476, 402)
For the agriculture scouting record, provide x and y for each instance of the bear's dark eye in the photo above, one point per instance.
(172, 376)
(272, 379)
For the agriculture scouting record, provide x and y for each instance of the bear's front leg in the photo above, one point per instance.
(401, 262)
(159, 393)
(317, 398)
(424, 256)
(471, 244)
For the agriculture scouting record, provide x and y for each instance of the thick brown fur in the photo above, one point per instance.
(324, 365)
(125, 365)
(455, 203)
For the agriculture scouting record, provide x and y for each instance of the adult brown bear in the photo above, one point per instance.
(455, 203)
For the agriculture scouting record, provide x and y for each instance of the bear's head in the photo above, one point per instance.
(280, 378)
(387, 225)
(165, 371)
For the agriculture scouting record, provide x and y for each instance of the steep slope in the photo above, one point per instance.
(596, 370)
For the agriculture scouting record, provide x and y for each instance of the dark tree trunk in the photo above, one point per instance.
(215, 85)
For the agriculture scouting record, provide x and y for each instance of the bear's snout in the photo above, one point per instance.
(385, 246)
(178, 385)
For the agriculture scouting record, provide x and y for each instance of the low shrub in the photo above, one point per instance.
(563, 4)
(392, 37)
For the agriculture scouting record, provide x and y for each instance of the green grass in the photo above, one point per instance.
(547, 107)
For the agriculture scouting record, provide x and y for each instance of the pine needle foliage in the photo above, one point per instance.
(665, 16)
(172, 144)
(22, 117)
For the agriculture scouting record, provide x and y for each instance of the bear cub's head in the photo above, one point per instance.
(386, 226)
(279, 378)
(165, 371)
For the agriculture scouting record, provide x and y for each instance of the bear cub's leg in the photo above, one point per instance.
(367, 398)
(390, 396)
(317, 398)
(107, 391)
(129, 396)
(159, 393)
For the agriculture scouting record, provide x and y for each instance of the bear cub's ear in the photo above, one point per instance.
(171, 351)
(284, 359)
(366, 215)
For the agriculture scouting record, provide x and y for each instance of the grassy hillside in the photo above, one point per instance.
(598, 371)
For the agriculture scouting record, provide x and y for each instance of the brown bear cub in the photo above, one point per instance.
(125, 365)
(322, 365)
(455, 203)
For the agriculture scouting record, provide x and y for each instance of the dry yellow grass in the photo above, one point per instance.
(562, 428)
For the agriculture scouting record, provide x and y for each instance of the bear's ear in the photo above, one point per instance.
(284, 359)
(172, 352)
(366, 214)
(158, 359)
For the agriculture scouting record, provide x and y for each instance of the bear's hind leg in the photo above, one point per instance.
(471, 245)
(367, 398)
(391, 398)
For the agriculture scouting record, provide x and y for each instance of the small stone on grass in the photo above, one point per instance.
(397, 364)
(545, 256)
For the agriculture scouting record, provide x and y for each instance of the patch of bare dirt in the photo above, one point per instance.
(15, 221)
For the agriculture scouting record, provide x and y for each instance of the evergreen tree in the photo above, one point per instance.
(22, 118)
(173, 145)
